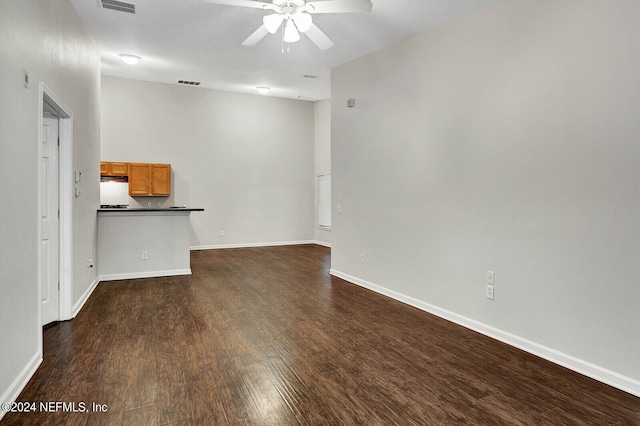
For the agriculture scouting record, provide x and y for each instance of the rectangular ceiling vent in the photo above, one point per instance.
(309, 76)
(189, 83)
(120, 6)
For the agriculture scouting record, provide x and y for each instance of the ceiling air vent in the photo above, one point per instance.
(189, 83)
(120, 6)
(309, 76)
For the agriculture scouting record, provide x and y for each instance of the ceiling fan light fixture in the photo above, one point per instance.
(263, 90)
(303, 21)
(272, 22)
(298, 16)
(130, 59)
(290, 32)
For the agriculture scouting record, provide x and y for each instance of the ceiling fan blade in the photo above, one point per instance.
(338, 6)
(257, 35)
(319, 38)
(244, 3)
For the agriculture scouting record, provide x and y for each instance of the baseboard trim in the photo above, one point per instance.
(146, 274)
(322, 243)
(80, 303)
(585, 368)
(21, 381)
(249, 245)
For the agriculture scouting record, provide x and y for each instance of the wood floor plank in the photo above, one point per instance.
(147, 416)
(265, 336)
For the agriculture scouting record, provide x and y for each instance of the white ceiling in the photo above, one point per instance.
(197, 41)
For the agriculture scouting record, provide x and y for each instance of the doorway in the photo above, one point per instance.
(54, 200)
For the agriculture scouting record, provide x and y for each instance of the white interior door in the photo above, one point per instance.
(50, 245)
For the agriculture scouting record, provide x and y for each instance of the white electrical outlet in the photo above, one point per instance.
(339, 208)
(362, 258)
(491, 278)
(144, 255)
(222, 233)
(490, 293)
(89, 263)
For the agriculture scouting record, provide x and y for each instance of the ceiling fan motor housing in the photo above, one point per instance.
(282, 3)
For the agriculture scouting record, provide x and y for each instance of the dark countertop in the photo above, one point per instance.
(153, 209)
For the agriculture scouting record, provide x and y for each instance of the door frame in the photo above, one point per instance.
(65, 201)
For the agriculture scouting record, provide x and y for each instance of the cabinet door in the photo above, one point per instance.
(160, 179)
(139, 179)
(113, 169)
(119, 169)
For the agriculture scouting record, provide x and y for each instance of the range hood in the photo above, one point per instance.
(121, 179)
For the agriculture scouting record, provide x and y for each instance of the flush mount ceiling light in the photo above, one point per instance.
(296, 14)
(129, 59)
(263, 90)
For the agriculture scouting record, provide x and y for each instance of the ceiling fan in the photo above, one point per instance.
(296, 17)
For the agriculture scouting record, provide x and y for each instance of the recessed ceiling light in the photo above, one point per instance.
(130, 59)
(263, 90)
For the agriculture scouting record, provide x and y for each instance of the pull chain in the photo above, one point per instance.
(282, 41)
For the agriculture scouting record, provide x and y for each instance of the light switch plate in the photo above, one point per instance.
(490, 292)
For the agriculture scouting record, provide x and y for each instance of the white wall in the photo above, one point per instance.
(46, 38)
(506, 141)
(322, 158)
(247, 160)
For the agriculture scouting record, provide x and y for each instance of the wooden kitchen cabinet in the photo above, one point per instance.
(113, 169)
(139, 179)
(149, 179)
(160, 179)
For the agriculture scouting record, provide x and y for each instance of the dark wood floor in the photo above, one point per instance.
(265, 336)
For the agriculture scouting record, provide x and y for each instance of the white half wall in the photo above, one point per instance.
(507, 141)
(162, 236)
(47, 39)
(246, 159)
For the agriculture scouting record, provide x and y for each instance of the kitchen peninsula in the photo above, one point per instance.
(143, 242)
